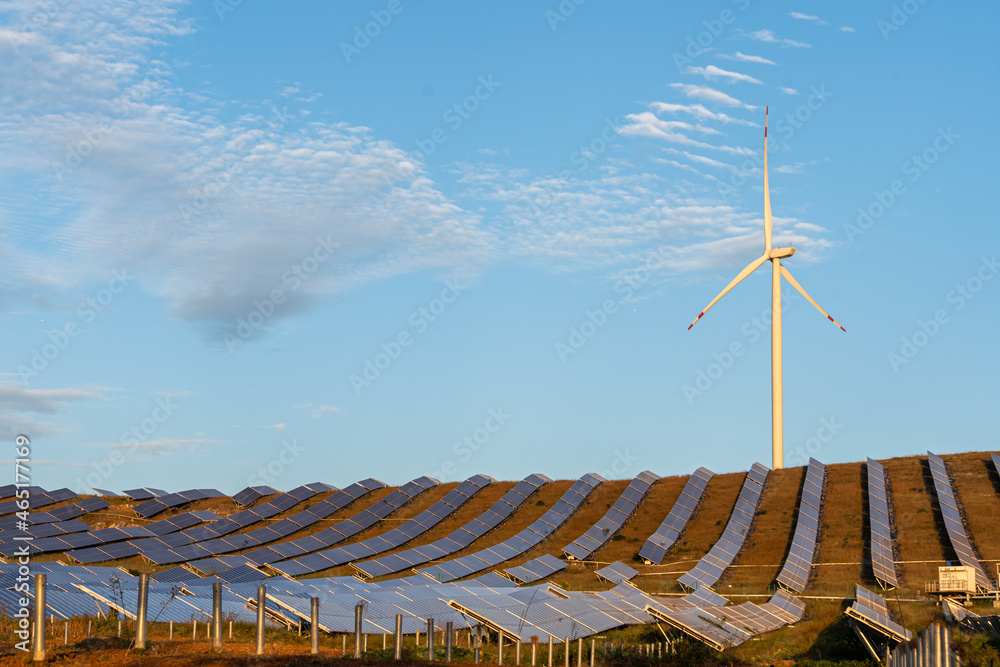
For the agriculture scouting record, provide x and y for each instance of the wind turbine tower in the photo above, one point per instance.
(774, 255)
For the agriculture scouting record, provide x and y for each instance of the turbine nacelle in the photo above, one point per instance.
(779, 253)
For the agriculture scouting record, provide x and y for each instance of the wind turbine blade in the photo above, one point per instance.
(751, 267)
(797, 286)
(767, 193)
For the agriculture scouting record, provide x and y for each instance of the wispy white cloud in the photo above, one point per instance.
(769, 37)
(701, 159)
(20, 397)
(649, 125)
(276, 427)
(318, 410)
(143, 451)
(742, 57)
(56, 464)
(713, 72)
(710, 94)
(21, 405)
(846, 28)
(807, 17)
(788, 91)
(795, 168)
(699, 112)
(209, 213)
(675, 163)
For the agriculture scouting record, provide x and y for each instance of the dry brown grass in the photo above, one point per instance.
(921, 536)
(765, 550)
(976, 486)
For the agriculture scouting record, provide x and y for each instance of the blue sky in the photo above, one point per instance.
(262, 242)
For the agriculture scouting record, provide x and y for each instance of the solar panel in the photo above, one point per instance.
(724, 627)
(284, 502)
(265, 511)
(138, 494)
(120, 550)
(794, 574)
(617, 572)
(537, 569)
(251, 494)
(710, 568)
(263, 556)
(954, 524)
(871, 611)
(656, 547)
(86, 505)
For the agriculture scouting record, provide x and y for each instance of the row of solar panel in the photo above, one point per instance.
(535, 569)
(659, 543)
(145, 493)
(882, 535)
(722, 554)
(598, 534)
(393, 538)
(953, 522)
(218, 538)
(341, 531)
(616, 573)
(83, 548)
(252, 494)
(872, 611)
(459, 538)
(154, 506)
(210, 538)
(794, 573)
(10, 526)
(705, 616)
(61, 515)
(518, 544)
(37, 497)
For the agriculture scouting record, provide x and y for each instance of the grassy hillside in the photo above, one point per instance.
(842, 560)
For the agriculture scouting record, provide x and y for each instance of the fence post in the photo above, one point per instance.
(478, 644)
(358, 612)
(66, 634)
(217, 615)
(534, 649)
(261, 601)
(430, 639)
(500, 649)
(592, 643)
(551, 644)
(140, 621)
(314, 626)
(171, 637)
(39, 643)
(449, 629)
(566, 650)
(398, 654)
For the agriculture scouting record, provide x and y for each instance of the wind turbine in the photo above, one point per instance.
(775, 255)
